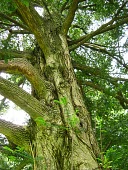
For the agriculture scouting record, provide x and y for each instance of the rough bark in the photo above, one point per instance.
(61, 133)
(64, 146)
(65, 139)
(17, 134)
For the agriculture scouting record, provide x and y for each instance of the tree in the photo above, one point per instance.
(63, 53)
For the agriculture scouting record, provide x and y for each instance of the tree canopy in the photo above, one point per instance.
(97, 38)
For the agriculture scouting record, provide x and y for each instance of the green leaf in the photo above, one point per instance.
(41, 121)
(12, 158)
(63, 100)
(57, 101)
(7, 148)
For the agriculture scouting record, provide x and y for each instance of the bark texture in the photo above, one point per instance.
(61, 137)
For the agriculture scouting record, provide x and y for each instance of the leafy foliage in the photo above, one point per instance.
(11, 159)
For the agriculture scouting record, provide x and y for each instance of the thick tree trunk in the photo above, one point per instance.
(64, 140)
(61, 139)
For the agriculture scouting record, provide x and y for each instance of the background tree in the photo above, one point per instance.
(72, 54)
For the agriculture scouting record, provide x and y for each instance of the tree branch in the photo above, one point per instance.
(3, 103)
(123, 20)
(13, 21)
(46, 7)
(104, 28)
(96, 72)
(87, 69)
(15, 133)
(86, 37)
(9, 54)
(21, 65)
(123, 101)
(23, 99)
(99, 48)
(70, 16)
(7, 24)
(19, 31)
(34, 21)
(113, 80)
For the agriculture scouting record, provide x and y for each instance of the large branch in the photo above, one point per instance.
(27, 15)
(21, 65)
(70, 16)
(3, 103)
(86, 37)
(15, 133)
(23, 99)
(34, 21)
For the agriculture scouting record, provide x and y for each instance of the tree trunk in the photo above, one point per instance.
(64, 140)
